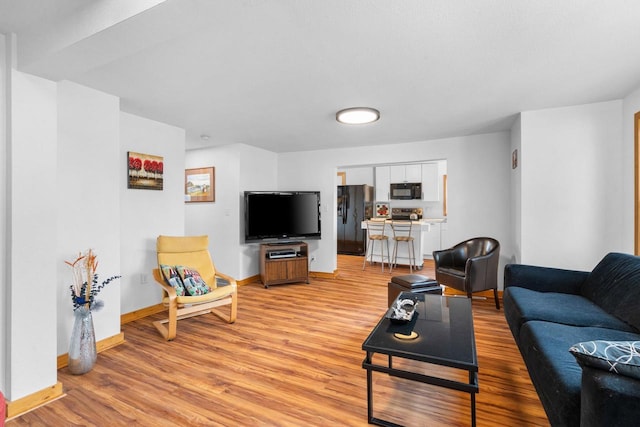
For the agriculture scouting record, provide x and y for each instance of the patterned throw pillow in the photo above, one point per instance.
(193, 283)
(620, 357)
(172, 278)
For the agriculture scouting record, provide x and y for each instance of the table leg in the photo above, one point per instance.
(473, 379)
(369, 390)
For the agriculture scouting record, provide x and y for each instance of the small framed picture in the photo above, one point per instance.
(382, 210)
(199, 185)
(145, 171)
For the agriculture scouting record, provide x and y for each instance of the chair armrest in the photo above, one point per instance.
(171, 293)
(479, 264)
(227, 278)
(544, 279)
(608, 399)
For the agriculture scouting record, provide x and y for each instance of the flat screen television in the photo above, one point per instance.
(281, 216)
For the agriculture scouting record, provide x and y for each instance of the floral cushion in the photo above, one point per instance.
(172, 278)
(620, 357)
(193, 283)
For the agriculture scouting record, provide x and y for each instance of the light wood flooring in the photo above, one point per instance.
(292, 358)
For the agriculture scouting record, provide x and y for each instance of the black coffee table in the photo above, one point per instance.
(444, 326)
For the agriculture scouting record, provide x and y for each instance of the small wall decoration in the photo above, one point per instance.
(145, 171)
(383, 210)
(514, 159)
(199, 185)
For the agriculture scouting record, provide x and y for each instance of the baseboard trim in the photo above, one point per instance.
(28, 403)
(142, 313)
(323, 275)
(102, 345)
(248, 280)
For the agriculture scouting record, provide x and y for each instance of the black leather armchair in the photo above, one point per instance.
(470, 266)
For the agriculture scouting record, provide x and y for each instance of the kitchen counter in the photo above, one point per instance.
(420, 228)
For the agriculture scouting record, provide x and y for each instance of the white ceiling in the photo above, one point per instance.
(273, 73)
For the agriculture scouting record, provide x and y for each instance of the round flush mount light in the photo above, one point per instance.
(357, 115)
(204, 137)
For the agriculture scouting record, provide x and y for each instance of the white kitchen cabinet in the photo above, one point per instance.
(413, 173)
(431, 239)
(405, 173)
(382, 184)
(430, 182)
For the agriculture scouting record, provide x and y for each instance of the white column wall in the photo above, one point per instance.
(4, 220)
(32, 237)
(88, 200)
(145, 214)
(572, 180)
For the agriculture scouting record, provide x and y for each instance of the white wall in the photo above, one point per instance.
(358, 175)
(478, 186)
(572, 181)
(88, 200)
(631, 105)
(238, 167)
(32, 237)
(516, 191)
(146, 214)
(4, 191)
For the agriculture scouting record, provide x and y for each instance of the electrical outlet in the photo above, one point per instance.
(144, 279)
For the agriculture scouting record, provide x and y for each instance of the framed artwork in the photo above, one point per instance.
(383, 210)
(199, 185)
(145, 171)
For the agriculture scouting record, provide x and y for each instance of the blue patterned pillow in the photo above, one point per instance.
(193, 283)
(172, 278)
(620, 357)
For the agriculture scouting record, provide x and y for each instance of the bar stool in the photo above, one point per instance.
(375, 233)
(402, 234)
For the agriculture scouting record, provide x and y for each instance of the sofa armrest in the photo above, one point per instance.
(608, 399)
(544, 279)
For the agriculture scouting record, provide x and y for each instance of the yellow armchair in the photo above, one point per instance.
(192, 252)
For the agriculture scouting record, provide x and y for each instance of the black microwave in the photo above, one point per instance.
(406, 191)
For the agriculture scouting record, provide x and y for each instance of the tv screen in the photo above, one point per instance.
(281, 215)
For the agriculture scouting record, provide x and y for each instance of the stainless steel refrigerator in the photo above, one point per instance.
(355, 204)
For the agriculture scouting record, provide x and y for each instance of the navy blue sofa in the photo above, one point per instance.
(550, 310)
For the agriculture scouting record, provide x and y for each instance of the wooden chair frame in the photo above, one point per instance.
(184, 311)
(192, 252)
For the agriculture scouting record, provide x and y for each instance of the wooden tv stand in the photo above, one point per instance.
(284, 263)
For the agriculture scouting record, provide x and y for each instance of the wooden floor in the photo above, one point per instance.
(293, 358)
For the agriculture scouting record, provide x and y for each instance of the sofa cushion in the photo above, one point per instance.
(619, 357)
(614, 284)
(553, 370)
(522, 305)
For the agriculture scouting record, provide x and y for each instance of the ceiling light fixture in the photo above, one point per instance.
(204, 137)
(357, 115)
